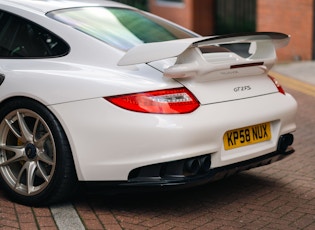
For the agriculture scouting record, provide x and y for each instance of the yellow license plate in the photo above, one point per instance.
(246, 136)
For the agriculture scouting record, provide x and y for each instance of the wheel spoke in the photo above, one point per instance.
(30, 172)
(42, 172)
(19, 154)
(40, 142)
(12, 128)
(42, 156)
(29, 168)
(26, 134)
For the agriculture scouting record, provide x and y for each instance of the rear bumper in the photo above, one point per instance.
(171, 175)
(116, 142)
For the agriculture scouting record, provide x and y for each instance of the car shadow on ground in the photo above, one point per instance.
(242, 188)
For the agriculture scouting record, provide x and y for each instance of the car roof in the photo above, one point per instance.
(45, 6)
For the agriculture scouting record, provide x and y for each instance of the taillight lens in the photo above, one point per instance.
(277, 84)
(169, 101)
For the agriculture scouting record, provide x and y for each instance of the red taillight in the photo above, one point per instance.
(169, 101)
(277, 84)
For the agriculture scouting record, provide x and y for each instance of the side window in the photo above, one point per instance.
(20, 38)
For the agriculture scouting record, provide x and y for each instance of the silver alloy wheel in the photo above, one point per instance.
(27, 152)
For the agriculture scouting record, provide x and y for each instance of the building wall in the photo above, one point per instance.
(203, 16)
(194, 15)
(181, 14)
(287, 16)
(291, 17)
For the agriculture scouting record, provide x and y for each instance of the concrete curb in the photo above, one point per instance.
(66, 217)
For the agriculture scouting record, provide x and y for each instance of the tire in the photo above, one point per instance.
(36, 163)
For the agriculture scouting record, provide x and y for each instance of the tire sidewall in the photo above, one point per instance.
(62, 173)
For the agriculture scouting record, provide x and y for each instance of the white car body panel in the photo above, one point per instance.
(75, 78)
(108, 142)
(115, 148)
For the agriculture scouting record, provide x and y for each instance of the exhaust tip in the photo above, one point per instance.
(198, 165)
(284, 142)
(205, 163)
(193, 166)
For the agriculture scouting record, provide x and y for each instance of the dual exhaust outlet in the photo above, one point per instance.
(198, 165)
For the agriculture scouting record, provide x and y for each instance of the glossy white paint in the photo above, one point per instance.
(108, 142)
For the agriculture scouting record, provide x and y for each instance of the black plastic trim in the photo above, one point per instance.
(186, 182)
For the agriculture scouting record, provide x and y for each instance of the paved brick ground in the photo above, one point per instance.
(278, 196)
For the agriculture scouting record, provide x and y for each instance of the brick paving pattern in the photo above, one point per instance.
(277, 196)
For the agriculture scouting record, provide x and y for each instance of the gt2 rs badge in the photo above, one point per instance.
(242, 88)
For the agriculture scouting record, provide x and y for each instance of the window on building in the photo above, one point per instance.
(235, 16)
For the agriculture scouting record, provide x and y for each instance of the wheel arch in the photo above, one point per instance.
(61, 123)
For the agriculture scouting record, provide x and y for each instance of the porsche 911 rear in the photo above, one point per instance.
(114, 95)
(227, 116)
(239, 117)
(219, 112)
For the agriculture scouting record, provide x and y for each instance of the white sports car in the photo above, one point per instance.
(100, 92)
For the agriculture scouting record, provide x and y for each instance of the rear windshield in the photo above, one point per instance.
(121, 28)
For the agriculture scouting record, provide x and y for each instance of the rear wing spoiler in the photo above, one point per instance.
(190, 58)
